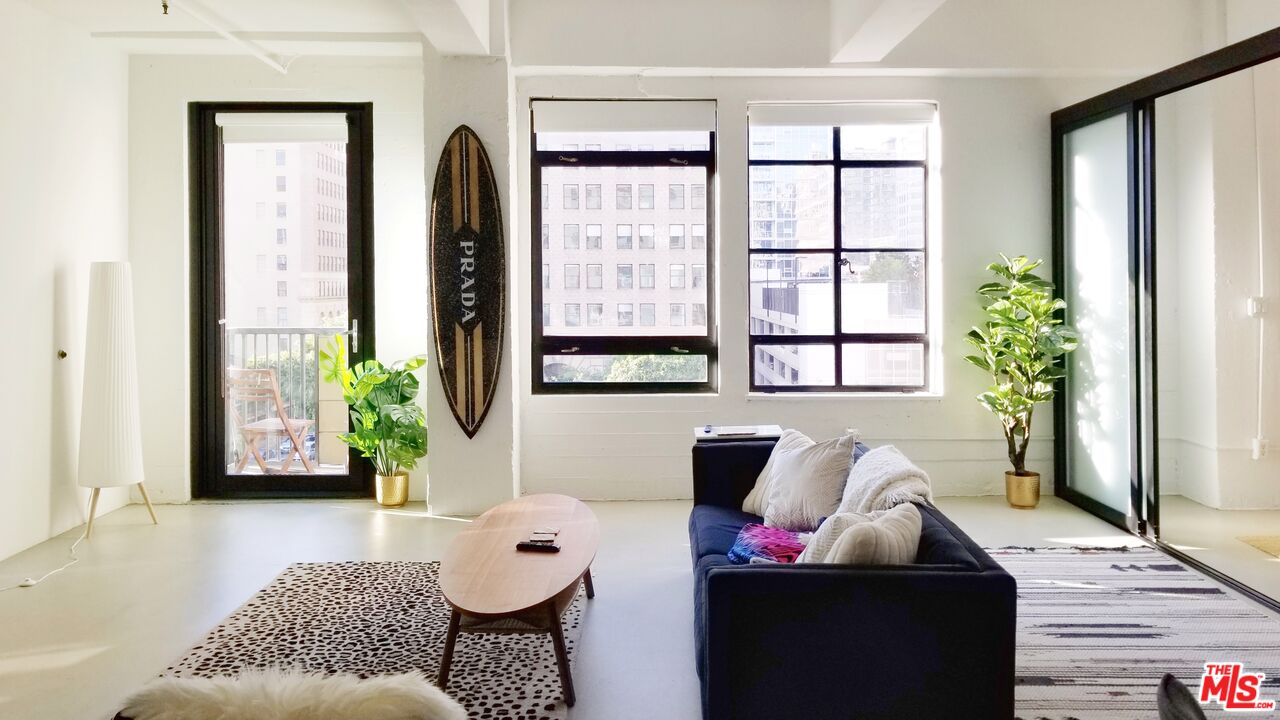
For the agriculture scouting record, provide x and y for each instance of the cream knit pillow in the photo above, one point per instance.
(822, 540)
(758, 498)
(805, 484)
(890, 539)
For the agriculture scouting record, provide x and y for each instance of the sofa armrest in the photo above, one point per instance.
(887, 642)
(724, 472)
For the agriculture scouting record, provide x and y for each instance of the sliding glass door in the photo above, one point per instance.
(1166, 241)
(284, 245)
(1097, 458)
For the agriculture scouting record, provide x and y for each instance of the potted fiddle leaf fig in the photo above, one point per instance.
(388, 426)
(1019, 346)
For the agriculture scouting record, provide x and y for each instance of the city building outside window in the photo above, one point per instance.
(282, 236)
(677, 314)
(280, 158)
(282, 262)
(281, 183)
(838, 247)
(597, 159)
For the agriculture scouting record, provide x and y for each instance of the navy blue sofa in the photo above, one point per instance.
(929, 640)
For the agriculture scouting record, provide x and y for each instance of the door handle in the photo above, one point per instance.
(354, 334)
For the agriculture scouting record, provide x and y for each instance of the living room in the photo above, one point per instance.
(272, 198)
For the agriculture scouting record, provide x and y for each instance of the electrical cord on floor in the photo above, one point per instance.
(32, 582)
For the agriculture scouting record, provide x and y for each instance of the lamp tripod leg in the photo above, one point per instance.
(93, 510)
(142, 487)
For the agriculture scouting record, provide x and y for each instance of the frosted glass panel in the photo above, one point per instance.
(1096, 223)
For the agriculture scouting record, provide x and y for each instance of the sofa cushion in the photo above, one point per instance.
(890, 539)
(806, 483)
(713, 529)
(758, 499)
(939, 543)
(700, 570)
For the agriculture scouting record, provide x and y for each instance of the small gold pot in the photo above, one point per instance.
(392, 490)
(1022, 491)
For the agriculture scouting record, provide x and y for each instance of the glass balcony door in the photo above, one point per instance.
(285, 243)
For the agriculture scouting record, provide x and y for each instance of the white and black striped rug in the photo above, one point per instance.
(1098, 628)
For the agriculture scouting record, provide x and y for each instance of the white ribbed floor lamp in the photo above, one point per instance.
(110, 421)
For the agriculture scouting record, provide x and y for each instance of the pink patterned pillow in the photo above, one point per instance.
(768, 543)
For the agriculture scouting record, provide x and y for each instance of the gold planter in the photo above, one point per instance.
(1022, 491)
(392, 490)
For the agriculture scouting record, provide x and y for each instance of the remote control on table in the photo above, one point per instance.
(527, 546)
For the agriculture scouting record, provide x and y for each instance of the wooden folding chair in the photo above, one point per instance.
(248, 388)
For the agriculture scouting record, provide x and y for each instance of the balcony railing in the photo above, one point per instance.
(293, 354)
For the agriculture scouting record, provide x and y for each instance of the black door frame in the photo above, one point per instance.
(1138, 101)
(208, 469)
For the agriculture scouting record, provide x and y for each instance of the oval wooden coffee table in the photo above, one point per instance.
(494, 588)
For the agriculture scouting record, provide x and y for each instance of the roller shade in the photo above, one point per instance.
(624, 115)
(832, 114)
(282, 127)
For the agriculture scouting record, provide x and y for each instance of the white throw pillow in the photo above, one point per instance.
(891, 539)
(822, 539)
(758, 498)
(806, 484)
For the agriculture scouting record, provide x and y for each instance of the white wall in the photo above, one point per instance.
(159, 89)
(63, 204)
(994, 168)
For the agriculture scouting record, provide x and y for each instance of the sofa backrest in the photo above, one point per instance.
(942, 543)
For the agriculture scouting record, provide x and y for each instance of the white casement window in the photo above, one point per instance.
(640, 171)
(839, 246)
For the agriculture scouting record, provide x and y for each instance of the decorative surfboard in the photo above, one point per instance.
(468, 277)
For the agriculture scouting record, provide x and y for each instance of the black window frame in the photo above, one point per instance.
(542, 346)
(838, 338)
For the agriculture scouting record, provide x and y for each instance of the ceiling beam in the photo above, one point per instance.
(453, 27)
(202, 14)
(867, 30)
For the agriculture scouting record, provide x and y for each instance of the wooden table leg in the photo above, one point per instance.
(93, 510)
(586, 580)
(142, 488)
(455, 619)
(562, 655)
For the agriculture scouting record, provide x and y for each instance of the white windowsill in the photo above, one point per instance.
(766, 396)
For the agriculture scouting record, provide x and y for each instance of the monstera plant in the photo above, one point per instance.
(388, 426)
(1019, 346)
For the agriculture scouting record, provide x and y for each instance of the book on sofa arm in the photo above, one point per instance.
(728, 433)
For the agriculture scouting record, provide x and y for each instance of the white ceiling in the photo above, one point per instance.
(309, 16)
(281, 28)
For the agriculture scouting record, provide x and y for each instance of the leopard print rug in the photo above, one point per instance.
(380, 618)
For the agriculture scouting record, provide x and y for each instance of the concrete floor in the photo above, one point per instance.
(74, 646)
(1211, 536)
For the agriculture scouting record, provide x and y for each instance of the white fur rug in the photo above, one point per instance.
(275, 694)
